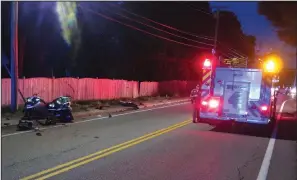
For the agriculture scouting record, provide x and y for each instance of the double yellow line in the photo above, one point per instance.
(100, 154)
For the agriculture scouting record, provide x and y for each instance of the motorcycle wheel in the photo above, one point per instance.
(22, 128)
(51, 121)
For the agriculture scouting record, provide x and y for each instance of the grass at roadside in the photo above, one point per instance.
(102, 104)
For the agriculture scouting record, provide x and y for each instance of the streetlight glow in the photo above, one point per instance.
(270, 66)
(66, 12)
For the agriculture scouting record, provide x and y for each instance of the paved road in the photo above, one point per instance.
(186, 151)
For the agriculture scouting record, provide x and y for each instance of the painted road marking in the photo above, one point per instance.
(268, 154)
(100, 154)
(100, 118)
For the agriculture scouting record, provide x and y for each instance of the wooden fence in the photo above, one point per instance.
(92, 89)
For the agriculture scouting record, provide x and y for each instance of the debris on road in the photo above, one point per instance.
(101, 108)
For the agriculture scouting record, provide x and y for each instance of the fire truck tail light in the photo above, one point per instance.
(214, 103)
(204, 103)
(211, 103)
(264, 108)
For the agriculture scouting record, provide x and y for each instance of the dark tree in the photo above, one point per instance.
(232, 36)
(283, 17)
(109, 49)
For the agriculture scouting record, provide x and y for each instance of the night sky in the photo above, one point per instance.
(257, 25)
(252, 23)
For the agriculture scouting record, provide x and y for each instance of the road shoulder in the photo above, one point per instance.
(101, 110)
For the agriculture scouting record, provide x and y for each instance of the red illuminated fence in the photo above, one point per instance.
(92, 89)
(181, 88)
(148, 88)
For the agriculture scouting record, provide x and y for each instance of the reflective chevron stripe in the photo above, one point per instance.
(206, 83)
(206, 79)
(254, 109)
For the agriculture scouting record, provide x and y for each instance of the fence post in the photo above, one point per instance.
(22, 92)
(53, 87)
(77, 88)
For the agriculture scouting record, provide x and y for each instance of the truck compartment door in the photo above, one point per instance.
(236, 95)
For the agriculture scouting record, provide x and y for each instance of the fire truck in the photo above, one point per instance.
(236, 95)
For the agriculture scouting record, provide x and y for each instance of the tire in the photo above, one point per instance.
(237, 128)
(22, 128)
(71, 117)
(54, 121)
(271, 124)
(51, 120)
(18, 128)
(47, 121)
(234, 127)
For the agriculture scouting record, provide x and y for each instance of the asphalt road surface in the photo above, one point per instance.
(102, 149)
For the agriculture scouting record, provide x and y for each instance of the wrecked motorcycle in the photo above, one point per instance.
(37, 111)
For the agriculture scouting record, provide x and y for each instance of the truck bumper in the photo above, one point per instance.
(213, 119)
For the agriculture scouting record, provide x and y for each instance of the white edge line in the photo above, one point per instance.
(268, 154)
(171, 104)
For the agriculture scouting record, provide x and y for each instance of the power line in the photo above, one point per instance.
(234, 53)
(170, 27)
(161, 29)
(223, 54)
(229, 53)
(192, 7)
(161, 24)
(233, 50)
(204, 37)
(135, 28)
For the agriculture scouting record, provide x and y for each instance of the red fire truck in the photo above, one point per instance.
(237, 95)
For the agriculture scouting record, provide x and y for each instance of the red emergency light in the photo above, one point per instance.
(207, 64)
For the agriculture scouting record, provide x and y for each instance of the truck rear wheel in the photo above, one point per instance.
(237, 127)
(270, 125)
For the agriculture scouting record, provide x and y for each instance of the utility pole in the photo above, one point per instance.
(14, 55)
(52, 71)
(216, 59)
(217, 16)
(216, 29)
